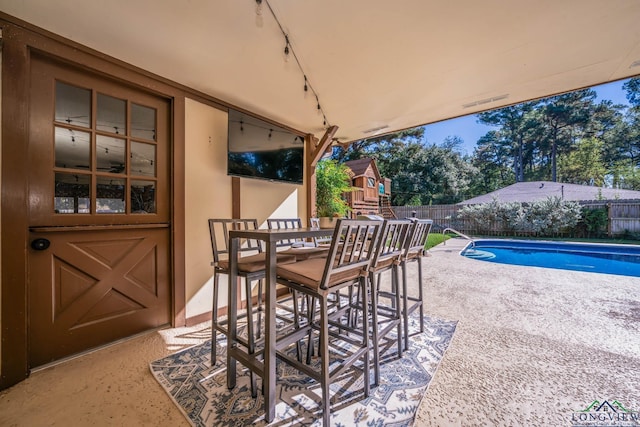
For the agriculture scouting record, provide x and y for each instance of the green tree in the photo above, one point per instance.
(419, 172)
(628, 137)
(584, 164)
(564, 116)
(491, 159)
(445, 177)
(608, 124)
(385, 145)
(544, 141)
(625, 175)
(516, 125)
(632, 87)
(622, 148)
(332, 180)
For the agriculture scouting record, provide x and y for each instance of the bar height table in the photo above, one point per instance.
(266, 368)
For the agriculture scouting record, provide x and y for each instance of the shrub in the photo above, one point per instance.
(482, 216)
(552, 216)
(631, 235)
(332, 180)
(595, 221)
(545, 218)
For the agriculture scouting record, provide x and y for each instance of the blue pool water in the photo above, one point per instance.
(597, 258)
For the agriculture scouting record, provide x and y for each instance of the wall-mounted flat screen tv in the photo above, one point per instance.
(258, 149)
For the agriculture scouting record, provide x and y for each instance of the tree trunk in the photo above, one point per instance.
(554, 149)
(520, 177)
(554, 154)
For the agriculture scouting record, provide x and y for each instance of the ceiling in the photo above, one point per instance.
(374, 64)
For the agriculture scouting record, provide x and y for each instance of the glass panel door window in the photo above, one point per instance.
(105, 154)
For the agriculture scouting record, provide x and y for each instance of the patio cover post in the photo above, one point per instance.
(315, 150)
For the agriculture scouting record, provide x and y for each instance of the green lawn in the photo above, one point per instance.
(435, 239)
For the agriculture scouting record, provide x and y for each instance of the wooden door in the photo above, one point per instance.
(98, 211)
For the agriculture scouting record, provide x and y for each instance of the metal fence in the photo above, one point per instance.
(623, 217)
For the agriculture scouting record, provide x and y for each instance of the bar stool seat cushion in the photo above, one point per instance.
(309, 273)
(383, 264)
(305, 252)
(414, 254)
(254, 263)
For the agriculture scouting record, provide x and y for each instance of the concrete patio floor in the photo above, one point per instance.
(532, 346)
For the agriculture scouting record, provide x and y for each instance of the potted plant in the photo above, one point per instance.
(332, 180)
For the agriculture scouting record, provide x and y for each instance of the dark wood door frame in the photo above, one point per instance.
(19, 39)
(15, 93)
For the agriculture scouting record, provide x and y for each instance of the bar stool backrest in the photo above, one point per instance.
(418, 237)
(219, 232)
(353, 247)
(393, 240)
(285, 224)
(324, 241)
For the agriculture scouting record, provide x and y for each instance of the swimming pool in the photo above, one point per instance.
(597, 258)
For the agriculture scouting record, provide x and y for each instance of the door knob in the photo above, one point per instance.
(40, 244)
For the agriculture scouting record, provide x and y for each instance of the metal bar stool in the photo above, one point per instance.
(251, 268)
(414, 253)
(351, 253)
(386, 317)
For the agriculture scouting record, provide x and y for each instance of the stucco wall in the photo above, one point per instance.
(208, 195)
(262, 200)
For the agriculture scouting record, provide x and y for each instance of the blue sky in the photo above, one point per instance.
(470, 131)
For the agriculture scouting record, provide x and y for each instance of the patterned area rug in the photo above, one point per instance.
(202, 395)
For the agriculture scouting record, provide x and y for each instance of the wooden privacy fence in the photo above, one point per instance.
(623, 217)
(440, 214)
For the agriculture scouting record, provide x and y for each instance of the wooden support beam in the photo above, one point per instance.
(315, 150)
(235, 197)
